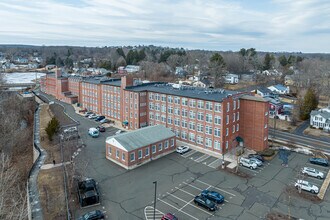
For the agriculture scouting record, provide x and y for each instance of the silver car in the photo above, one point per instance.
(255, 160)
(312, 172)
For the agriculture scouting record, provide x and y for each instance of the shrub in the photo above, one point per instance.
(267, 152)
(52, 128)
(239, 152)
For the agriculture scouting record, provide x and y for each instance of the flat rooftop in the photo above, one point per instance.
(185, 91)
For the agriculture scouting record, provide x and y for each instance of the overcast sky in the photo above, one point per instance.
(267, 25)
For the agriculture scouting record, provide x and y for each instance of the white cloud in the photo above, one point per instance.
(218, 24)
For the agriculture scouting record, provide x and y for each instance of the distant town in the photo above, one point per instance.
(149, 132)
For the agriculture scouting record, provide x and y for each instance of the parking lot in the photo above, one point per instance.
(129, 194)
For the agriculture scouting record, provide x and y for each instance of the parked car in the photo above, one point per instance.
(100, 128)
(92, 116)
(83, 110)
(304, 185)
(118, 132)
(87, 114)
(105, 121)
(246, 162)
(182, 149)
(257, 161)
(93, 215)
(70, 130)
(99, 118)
(312, 172)
(319, 161)
(93, 132)
(169, 216)
(213, 196)
(205, 202)
(259, 157)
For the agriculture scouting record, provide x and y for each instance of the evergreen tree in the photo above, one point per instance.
(52, 128)
(283, 61)
(310, 103)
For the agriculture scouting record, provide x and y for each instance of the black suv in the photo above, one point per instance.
(206, 203)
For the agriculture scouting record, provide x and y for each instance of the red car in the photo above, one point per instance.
(100, 128)
(169, 216)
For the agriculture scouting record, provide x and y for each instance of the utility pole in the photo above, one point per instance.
(155, 199)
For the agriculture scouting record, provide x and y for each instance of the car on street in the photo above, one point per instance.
(182, 149)
(87, 114)
(305, 185)
(213, 196)
(93, 215)
(104, 121)
(259, 157)
(93, 132)
(312, 172)
(99, 118)
(246, 162)
(169, 216)
(70, 130)
(92, 116)
(257, 161)
(100, 128)
(118, 132)
(205, 202)
(319, 161)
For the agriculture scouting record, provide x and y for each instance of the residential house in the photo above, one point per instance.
(279, 89)
(231, 78)
(132, 68)
(263, 92)
(320, 119)
(204, 83)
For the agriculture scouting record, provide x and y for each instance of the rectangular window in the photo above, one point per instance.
(176, 100)
(184, 113)
(177, 122)
(234, 117)
(233, 128)
(176, 111)
(192, 103)
(160, 147)
(200, 116)
(226, 131)
(192, 115)
(228, 106)
(184, 124)
(163, 98)
(147, 152)
(199, 140)
(109, 150)
(208, 142)
(132, 157)
(200, 128)
(172, 142)
(217, 107)
(153, 149)
(140, 154)
(234, 107)
(123, 157)
(157, 97)
(164, 108)
(166, 144)
(191, 125)
(184, 135)
(217, 132)
(208, 129)
(237, 127)
(226, 145)
(217, 145)
(170, 99)
(200, 104)
(237, 116)
(169, 120)
(238, 103)
(184, 101)
(208, 118)
(163, 118)
(227, 119)
(209, 105)
(117, 153)
(192, 137)
(217, 120)
(170, 110)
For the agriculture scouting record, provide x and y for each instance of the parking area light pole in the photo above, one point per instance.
(155, 183)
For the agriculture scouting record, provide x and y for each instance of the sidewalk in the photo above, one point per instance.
(50, 165)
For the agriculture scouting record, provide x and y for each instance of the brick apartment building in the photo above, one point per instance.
(133, 149)
(208, 118)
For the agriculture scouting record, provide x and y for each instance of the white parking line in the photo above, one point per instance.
(193, 186)
(200, 157)
(188, 154)
(149, 213)
(188, 203)
(178, 209)
(185, 191)
(216, 188)
(210, 164)
(317, 167)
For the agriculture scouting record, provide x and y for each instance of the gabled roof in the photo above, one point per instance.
(142, 137)
(264, 90)
(323, 114)
(280, 87)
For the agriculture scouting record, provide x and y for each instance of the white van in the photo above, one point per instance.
(247, 163)
(93, 132)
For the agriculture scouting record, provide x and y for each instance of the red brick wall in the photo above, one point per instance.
(253, 121)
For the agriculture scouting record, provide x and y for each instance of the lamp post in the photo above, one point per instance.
(155, 183)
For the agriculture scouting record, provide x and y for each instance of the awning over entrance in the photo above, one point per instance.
(239, 139)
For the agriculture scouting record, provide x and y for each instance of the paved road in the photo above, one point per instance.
(313, 142)
(300, 129)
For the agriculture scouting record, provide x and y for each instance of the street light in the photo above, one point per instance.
(155, 183)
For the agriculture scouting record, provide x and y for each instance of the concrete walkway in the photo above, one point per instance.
(50, 165)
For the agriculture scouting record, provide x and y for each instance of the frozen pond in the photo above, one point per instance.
(26, 77)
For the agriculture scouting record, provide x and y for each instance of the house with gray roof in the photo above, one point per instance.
(279, 89)
(320, 119)
(132, 149)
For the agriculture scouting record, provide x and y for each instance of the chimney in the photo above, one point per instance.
(126, 81)
(58, 73)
